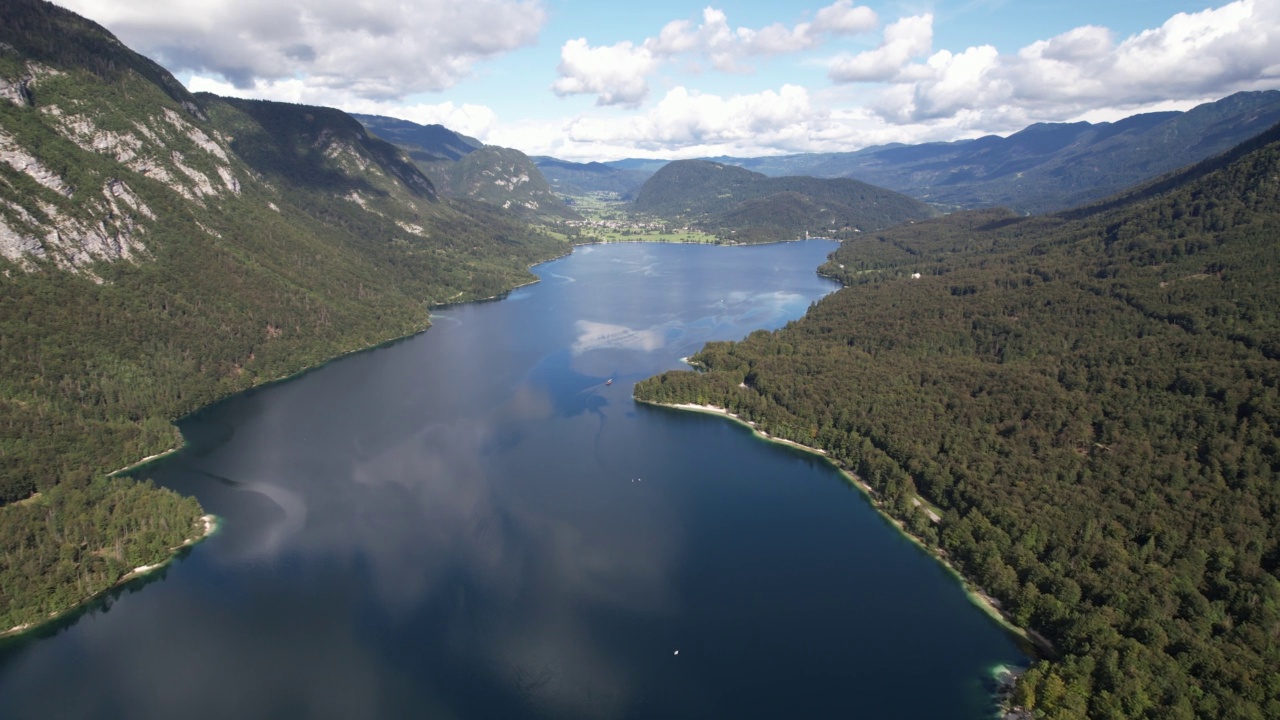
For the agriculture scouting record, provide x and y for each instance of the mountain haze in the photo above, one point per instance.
(1047, 166)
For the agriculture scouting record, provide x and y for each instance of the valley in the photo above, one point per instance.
(608, 218)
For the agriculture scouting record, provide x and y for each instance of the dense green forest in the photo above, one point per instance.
(163, 250)
(100, 532)
(1091, 400)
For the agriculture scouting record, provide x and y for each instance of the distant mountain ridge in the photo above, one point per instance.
(432, 142)
(573, 178)
(746, 206)
(1047, 166)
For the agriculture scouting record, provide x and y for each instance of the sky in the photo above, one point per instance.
(668, 79)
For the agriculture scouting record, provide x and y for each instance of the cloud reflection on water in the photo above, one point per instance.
(608, 336)
(514, 570)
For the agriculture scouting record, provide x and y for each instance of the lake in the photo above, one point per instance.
(473, 523)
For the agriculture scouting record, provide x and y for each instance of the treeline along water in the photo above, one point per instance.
(471, 523)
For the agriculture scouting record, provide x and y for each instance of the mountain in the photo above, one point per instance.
(1047, 166)
(160, 250)
(1087, 402)
(750, 207)
(642, 164)
(429, 142)
(503, 177)
(463, 167)
(572, 178)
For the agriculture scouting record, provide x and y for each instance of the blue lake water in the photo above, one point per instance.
(472, 524)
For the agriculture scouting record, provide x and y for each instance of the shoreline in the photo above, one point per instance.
(146, 461)
(695, 242)
(1037, 644)
(211, 522)
(211, 525)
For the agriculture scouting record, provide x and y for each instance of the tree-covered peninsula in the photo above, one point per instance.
(1091, 400)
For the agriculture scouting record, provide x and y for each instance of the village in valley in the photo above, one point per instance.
(606, 219)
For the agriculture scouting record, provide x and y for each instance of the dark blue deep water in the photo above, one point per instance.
(472, 524)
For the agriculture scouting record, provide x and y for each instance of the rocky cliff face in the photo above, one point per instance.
(43, 217)
(88, 171)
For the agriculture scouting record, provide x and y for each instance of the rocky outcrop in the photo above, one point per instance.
(117, 189)
(73, 238)
(17, 91)
(24, 162)
(147, 151)
(411, 228)
(229, 179)
(15, 245)
(203, 187)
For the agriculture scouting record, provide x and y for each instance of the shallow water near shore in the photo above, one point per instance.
(472, 524)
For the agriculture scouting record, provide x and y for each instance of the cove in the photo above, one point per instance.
(474, 523)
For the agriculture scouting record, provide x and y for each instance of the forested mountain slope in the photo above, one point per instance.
(1091, 400)
(501, 177)
(159, 250)
(746, 206)
(1047, 166)
(463, 167)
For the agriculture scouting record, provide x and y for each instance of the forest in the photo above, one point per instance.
(1091, 400)
(101, 531)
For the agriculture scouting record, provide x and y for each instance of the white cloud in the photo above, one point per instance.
(1192, 57)
(378, 49)
(725, 46)
(684, 123)
(618, 74)
(844, 18)
(686, 119)
(377, 56)
(904, 40)
(475, 120)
